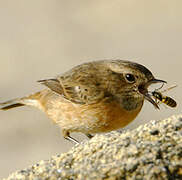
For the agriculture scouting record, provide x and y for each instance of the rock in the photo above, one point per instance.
(152, 151)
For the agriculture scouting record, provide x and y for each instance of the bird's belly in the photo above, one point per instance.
(109, 117)
(91, 118)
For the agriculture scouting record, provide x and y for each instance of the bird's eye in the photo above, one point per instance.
(130, 78)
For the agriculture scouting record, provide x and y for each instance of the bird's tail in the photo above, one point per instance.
(11, 104)
(31, 100)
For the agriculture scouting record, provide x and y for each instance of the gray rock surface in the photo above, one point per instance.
(152, 151)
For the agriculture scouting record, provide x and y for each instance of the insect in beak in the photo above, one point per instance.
(148, 97)
(143, 90)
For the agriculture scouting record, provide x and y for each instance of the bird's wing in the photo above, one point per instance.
(78, 90)
(53, 84)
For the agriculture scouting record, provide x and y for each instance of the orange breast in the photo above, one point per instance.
(91, 118)
(109, 116)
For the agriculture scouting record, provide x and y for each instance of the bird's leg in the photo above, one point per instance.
(67, 136)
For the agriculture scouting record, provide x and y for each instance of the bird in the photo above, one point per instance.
(93, 97)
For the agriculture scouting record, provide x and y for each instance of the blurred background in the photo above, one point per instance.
(42, 38)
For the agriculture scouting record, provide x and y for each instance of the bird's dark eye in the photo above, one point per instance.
(130, 78)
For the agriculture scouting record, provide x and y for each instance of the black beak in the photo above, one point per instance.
(153, 81)
(144, 91)
(149, 98)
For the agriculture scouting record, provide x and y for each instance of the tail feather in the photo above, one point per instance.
(11, 104)
(31, 100)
